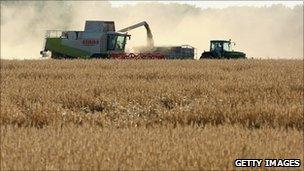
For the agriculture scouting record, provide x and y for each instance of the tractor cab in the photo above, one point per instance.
(222, 49)
(220, 45)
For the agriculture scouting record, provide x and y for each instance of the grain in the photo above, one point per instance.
(149, 114)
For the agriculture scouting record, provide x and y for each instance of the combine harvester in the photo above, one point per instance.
(98, 40)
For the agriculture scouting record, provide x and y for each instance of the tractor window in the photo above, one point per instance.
(216, 46)
(227, 47)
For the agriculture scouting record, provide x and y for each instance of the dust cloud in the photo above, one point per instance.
(261, 32)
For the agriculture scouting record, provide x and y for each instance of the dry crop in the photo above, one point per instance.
(145, 114)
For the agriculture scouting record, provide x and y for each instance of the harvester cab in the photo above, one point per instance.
(98, 39)
(222, 49)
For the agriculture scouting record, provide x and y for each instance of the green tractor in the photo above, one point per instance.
(221, 49)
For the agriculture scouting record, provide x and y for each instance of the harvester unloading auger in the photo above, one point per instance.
(150, 42)
(98, 40)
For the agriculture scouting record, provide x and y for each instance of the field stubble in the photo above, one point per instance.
(102, 114)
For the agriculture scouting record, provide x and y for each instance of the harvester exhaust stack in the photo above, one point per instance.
(150, 42)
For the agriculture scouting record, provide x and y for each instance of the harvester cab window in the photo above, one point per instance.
(116, 42)
(120, 40)
(111, 42)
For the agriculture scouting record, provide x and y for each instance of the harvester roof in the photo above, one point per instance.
(99, 26)
(224, 41)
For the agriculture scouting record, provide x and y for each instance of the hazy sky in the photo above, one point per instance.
(216, 4)
(262, 29)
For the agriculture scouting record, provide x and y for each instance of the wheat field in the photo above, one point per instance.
(149, 114)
